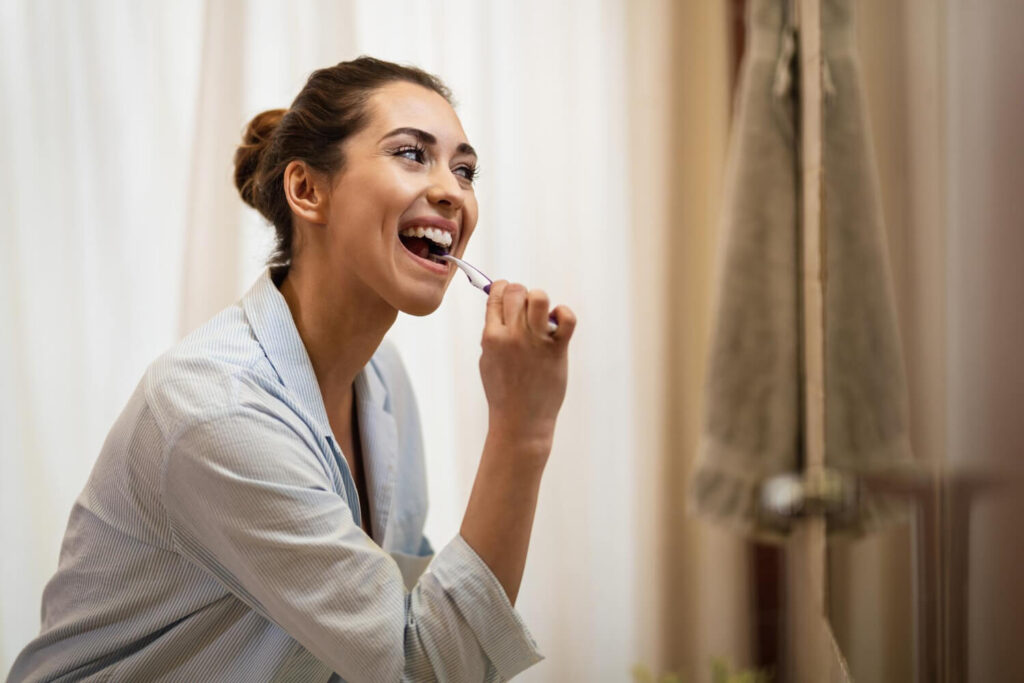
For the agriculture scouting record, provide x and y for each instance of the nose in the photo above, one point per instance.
(444, 189)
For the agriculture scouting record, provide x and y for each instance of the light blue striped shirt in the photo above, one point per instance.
(218, 537)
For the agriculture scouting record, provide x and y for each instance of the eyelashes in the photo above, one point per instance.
(471, 173)
(418, 154)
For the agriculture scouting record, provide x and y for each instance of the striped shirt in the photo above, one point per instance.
(219, 535)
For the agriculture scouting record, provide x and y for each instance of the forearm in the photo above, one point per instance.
(499, 516)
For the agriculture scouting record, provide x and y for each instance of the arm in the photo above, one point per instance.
(524, 371)
(248, 501)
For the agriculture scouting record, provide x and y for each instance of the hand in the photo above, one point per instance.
(524, 368)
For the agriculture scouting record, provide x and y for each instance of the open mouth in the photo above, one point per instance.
(426, 243)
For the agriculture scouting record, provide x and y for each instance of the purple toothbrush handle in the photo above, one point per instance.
(482, 282)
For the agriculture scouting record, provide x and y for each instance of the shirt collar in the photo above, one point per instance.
(272, 323)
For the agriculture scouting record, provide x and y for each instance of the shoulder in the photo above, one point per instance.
(207, 374)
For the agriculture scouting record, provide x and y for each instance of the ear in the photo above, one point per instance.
(306, 192)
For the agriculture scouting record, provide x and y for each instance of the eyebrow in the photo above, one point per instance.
(428, 139)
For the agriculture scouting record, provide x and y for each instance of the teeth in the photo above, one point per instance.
(435, 235)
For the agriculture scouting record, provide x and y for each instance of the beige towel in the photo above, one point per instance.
(752, 424)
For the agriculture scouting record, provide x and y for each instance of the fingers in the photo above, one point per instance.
(566, 320)
(512, 307)
(495, 311)
(537, 312)
(515, 305)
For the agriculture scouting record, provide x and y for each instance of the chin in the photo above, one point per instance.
(421, 306)
(420, 311)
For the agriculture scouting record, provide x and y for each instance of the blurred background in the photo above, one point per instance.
(603, 128)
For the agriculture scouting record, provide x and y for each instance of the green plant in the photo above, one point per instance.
(721, 672)
(641, 674)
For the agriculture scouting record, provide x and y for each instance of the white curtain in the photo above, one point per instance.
(122, 231)
(97, 116)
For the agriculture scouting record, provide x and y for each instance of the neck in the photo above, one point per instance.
(340, 329)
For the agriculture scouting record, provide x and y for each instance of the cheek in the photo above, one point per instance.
(373, 204)
(471, 215)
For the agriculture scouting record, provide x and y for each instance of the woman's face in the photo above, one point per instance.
(410, 167)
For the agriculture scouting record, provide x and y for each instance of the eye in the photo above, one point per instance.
(415, 153)
(465, 171)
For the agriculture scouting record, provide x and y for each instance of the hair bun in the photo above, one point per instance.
(255, 140)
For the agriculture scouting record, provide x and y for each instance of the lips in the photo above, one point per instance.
(424, 236)
(426, 261)
(436, 222)
(426, 241)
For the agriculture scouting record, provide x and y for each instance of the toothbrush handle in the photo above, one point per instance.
(552, 321)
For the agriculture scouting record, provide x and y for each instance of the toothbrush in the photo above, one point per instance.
(482, 282)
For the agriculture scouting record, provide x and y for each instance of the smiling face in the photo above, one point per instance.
(409, 167)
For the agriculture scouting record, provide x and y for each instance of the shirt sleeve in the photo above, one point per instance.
(248, 501)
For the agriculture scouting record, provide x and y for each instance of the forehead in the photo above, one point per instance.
(402, 104)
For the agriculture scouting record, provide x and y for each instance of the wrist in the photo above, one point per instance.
(524, 450)
(526, 430)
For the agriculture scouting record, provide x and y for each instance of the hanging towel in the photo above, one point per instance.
(753, 404)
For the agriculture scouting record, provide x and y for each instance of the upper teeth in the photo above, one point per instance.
(435, 235)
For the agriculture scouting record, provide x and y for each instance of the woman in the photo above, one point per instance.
(257, 510)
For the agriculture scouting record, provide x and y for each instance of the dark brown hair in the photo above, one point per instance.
(330, 108)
